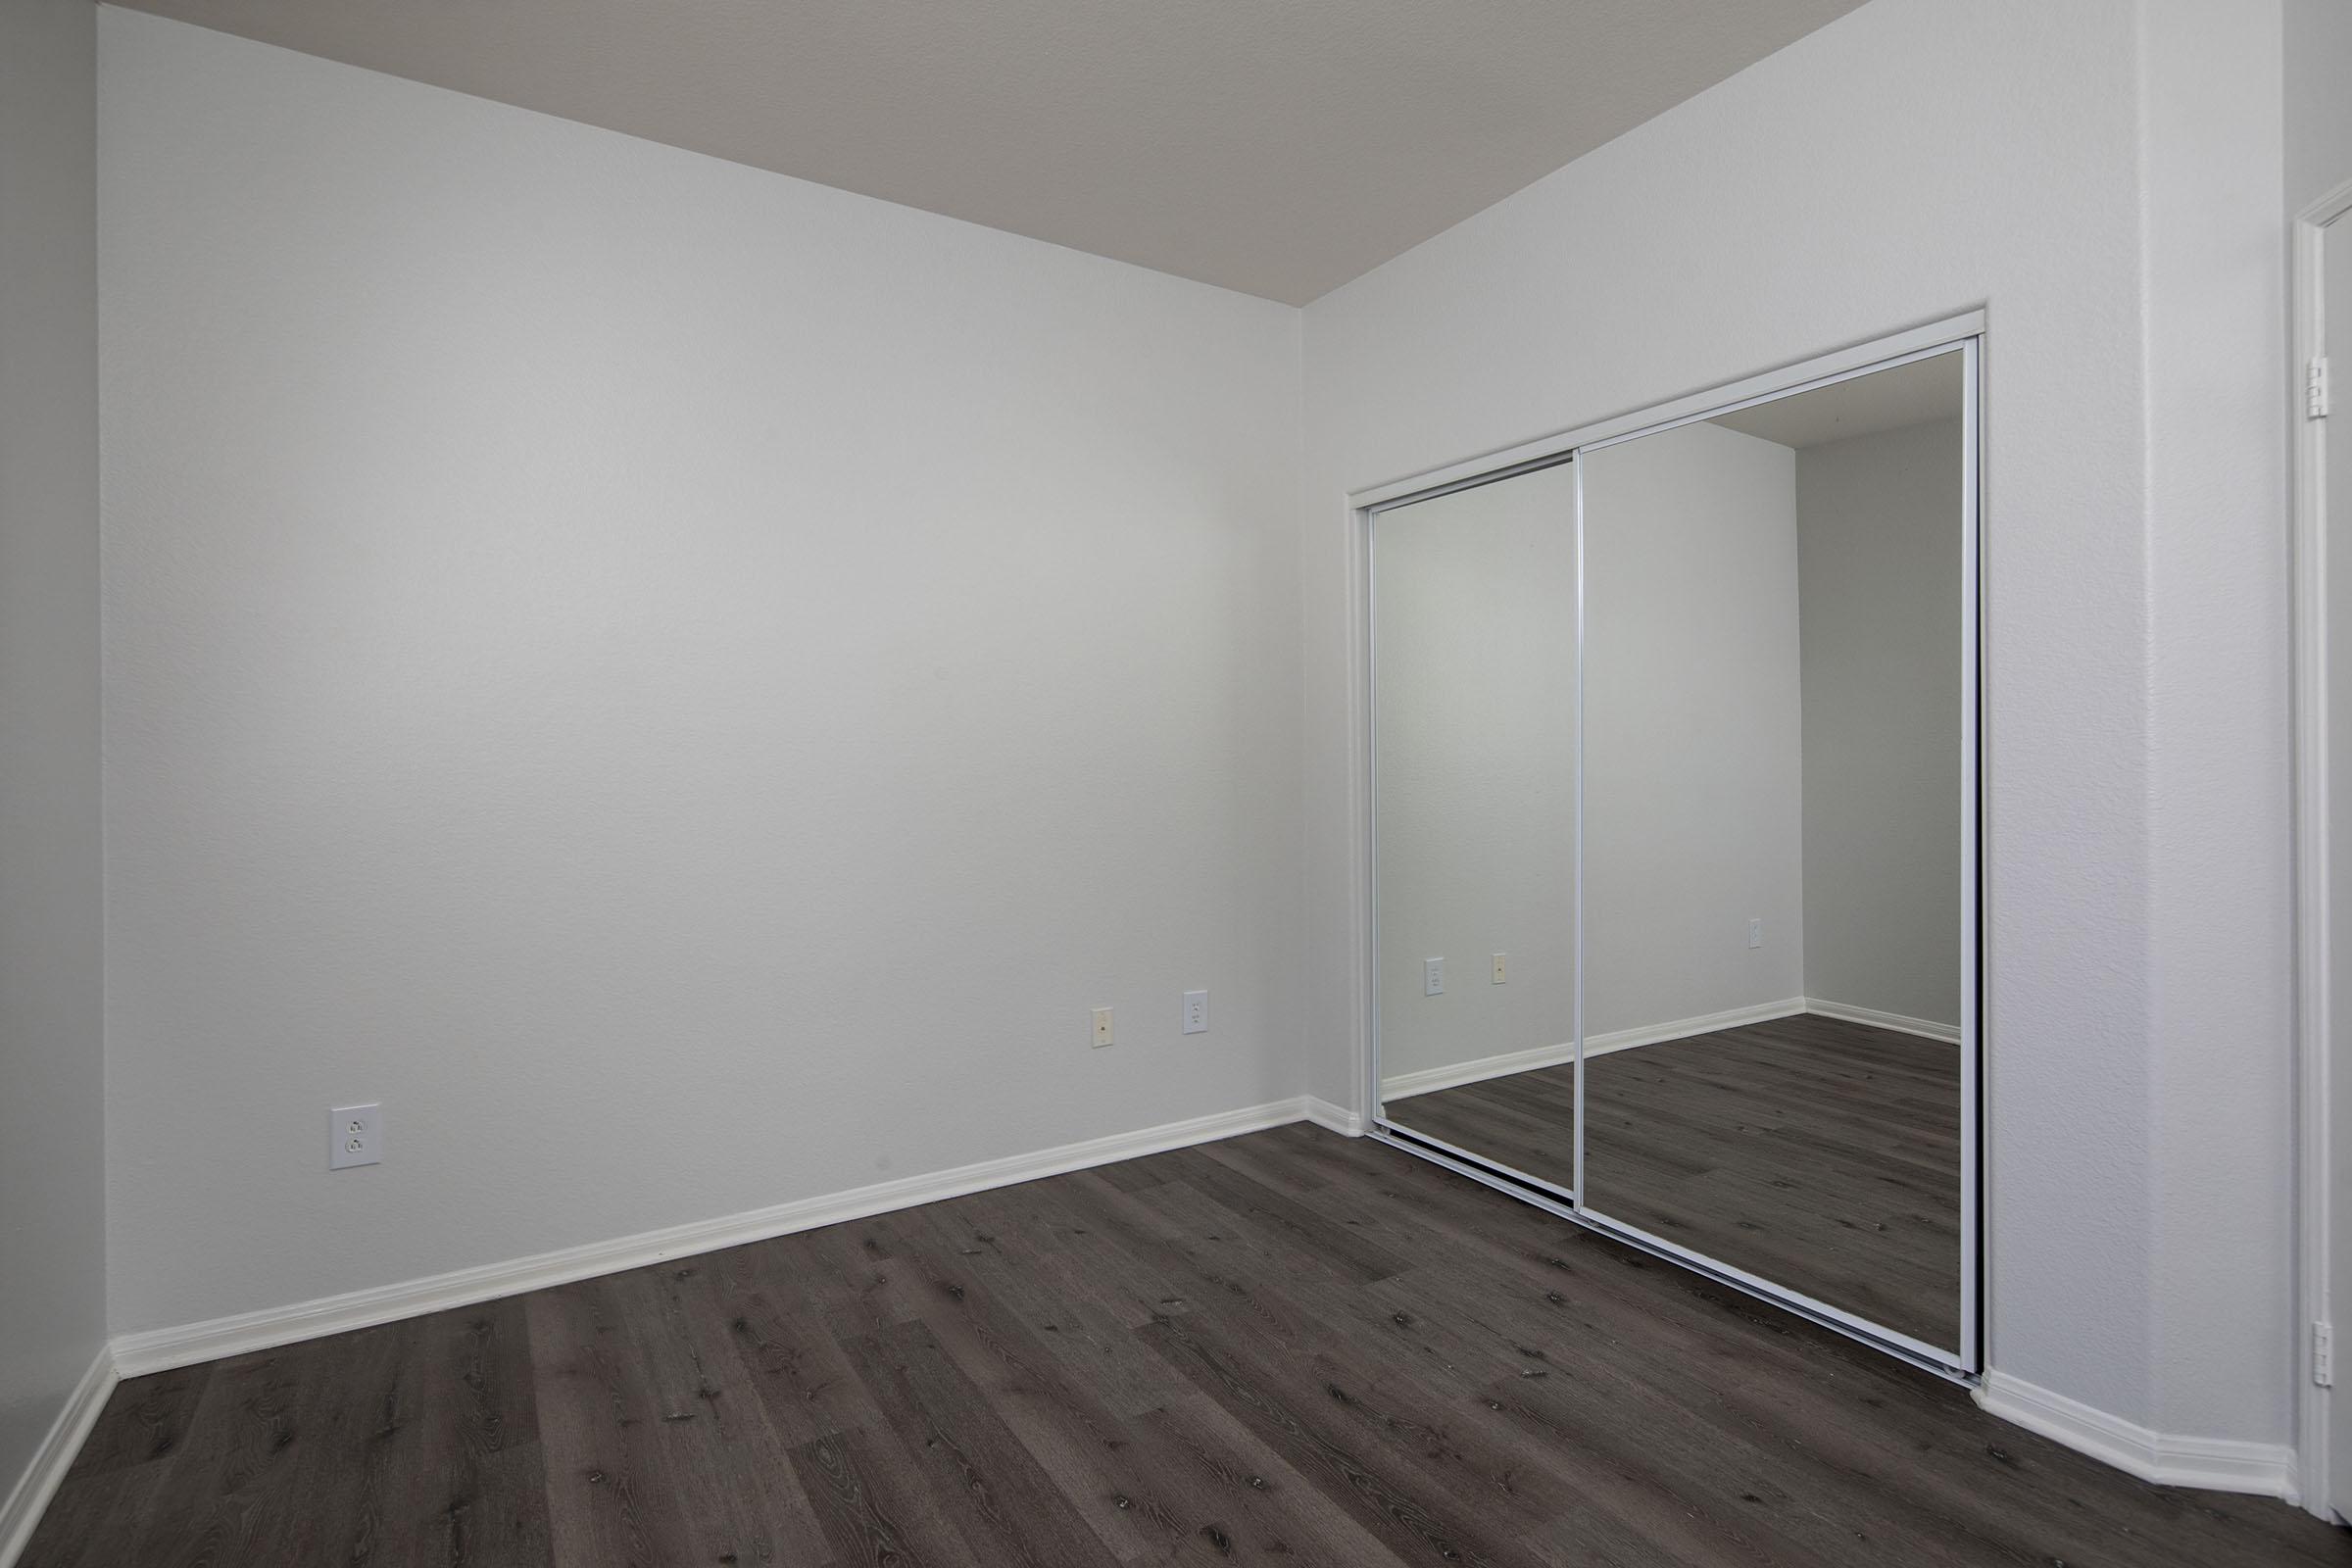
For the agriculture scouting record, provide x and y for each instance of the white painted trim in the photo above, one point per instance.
(1336, 1118)
(2210, 1464)
(1846, 1011)
(155, 1350)
(2315, 1224)
(1430, 1079)
(55, 1456)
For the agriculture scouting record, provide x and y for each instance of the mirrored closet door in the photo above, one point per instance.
(1675, 794)
(1475, 751)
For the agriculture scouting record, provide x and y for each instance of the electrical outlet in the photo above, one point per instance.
(1498, 958)
(355, 1135)
(1756, 932)
(1196, 1012)
(1102, 1035)
(1433, 977)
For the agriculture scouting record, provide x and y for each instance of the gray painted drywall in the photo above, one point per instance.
(685, 685)
(52, 1148)
(1476, 620)
(2319, 99)
(2219, 937)
(1878, 531)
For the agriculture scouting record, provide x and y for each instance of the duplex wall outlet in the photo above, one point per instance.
(1196, 1012)
(1756, 932)
(355, 1135)
(1498, 958)
(1102, 1034)
(1433, 977)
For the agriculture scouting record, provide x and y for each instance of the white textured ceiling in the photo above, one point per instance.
(1281, 147)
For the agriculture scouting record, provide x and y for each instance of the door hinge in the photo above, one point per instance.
(2322, 1354)
(2315, 388)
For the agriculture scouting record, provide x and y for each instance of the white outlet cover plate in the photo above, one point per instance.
(355, 1135)
(1196, 1012)
(1433, 977)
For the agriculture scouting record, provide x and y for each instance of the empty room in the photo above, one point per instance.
(806, 782)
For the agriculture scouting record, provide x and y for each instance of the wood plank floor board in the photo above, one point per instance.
(1236, 1498)
(152, 1426)
(1326, 1336)
(713, 1450)
(796, 1369)
(1090, 1262)
(355, 1444)
(1290, 1347)
(1074, 1438)
(1398, 1504)
(1090, 1335)
(239, 1462)
(991, 1488)
(1285, 1224)
(608, 1499)
(483, 1499)
(874, 1506)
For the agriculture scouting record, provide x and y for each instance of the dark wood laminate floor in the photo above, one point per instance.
(1818, 1154)
(1289, 1347)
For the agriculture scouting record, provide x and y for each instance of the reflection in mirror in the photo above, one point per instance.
(1474, 606)
(1774, 728)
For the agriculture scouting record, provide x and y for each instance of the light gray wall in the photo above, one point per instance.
(2219, 935)
(1476, 620)
(2103, 178)
(1694, 768)
(2319, 99)
(52, 1171)
(684, 684)
(1878, 531)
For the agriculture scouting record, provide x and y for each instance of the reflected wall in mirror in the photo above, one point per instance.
(1474, 604)
(1775, 717)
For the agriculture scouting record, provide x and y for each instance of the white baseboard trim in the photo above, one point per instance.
(1431, 1079)
(158, 1350)
(55, 1456)
(1926, 1028)
(1339, 1118)
(2210, 1464)
(1658, 1034)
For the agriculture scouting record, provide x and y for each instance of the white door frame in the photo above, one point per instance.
(2315, 1145)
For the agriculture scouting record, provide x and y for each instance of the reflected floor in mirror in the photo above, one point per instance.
(1816, 1152)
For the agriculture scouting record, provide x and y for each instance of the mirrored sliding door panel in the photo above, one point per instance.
(1778, 734)
(1474, 675)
